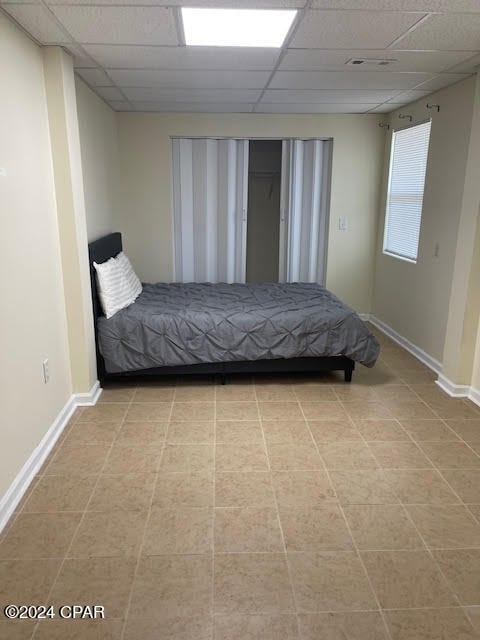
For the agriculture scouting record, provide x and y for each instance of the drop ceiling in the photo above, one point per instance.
(132, 54)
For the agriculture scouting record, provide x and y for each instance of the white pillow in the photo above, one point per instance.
(118, 286)
(130, 275)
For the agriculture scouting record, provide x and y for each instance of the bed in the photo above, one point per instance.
(223, 328)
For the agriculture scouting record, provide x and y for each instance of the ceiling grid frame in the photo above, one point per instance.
(315, 84)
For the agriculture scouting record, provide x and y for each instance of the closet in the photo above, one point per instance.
(250, 210)
(263, 210)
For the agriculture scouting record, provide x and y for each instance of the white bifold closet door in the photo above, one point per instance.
(210, 189)
(304, 211)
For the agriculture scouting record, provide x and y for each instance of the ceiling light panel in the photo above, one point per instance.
(236, 27)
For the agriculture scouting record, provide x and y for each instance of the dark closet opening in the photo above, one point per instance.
(263, 213)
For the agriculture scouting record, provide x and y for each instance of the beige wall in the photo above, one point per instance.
(98, 141)
(33, 324)
(72, 229)
(145, 198)
(463, 318)
(414, 299)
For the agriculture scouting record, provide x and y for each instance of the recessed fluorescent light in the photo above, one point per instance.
(236, 27)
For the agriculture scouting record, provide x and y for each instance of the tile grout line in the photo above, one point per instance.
(285, 555)
(429, 551)
(340, 507)
(440, 471)
(66, 556)
(147, 520)
(214, 514)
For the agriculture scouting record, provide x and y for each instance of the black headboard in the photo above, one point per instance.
(100, 251)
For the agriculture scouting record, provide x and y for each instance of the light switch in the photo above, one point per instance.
(3, 172)
(343, 224)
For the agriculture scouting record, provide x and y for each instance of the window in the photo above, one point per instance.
(406, 183)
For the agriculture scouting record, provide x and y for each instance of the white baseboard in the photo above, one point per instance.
(420, 354)
(452, 389)
(17, 489)
(474, 395)
(88, 399)
(458, 390)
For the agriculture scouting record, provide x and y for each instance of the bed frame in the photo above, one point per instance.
(109, 246)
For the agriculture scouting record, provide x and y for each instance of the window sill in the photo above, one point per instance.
(398, 257)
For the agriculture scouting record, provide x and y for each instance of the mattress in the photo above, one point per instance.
(181, 324)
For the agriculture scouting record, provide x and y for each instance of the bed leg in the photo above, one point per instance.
(223, 378)
(348, 374)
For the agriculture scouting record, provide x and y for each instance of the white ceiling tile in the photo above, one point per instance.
(371, 80)
(190, 79)
(255, 4)
(39, 22)
(200, 107)
(409, 96)
(274, 107)
(109, 93)
(445, 32)
(192, 95)
(312, 97)
(80, 57)
(95, 77)
(335, 60)
(120, 105)
(400, 5)
(118, 25)
(352, 29)
(469, 66)
(441, 81)
(137, 57)
(384, 108)
(244, 4)
(4, 2)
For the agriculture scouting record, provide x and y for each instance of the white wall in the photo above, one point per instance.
(33, 322)
(414, 299)
(98, 140)
(145, 198)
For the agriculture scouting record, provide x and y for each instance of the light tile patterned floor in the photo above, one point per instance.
(273, 508)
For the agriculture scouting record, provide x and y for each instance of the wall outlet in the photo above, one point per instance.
(46, 370)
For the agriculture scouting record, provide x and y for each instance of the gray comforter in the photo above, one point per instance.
(178, 324)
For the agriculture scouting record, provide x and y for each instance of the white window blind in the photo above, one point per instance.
(406, 183)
